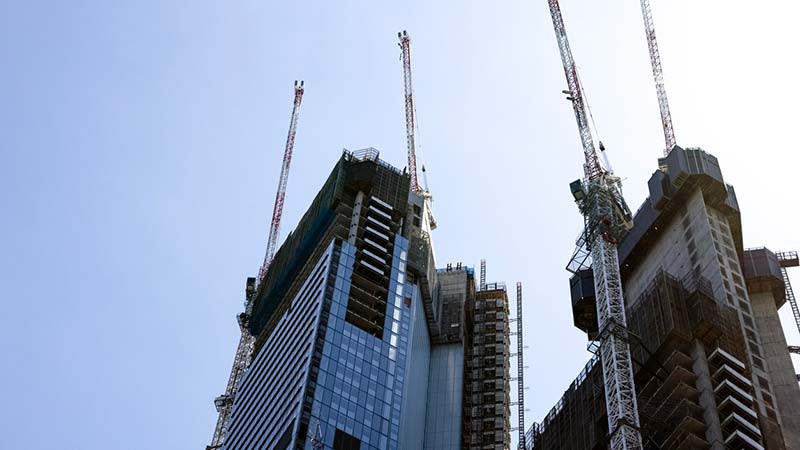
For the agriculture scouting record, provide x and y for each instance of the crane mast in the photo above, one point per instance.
(277, 211)
(241, 362)
(405, 46)
(244, 350)
(606, 218)
(658, 75)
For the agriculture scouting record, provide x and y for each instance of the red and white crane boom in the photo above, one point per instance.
(405, 46)
(277, 211)
(244, 350)
(592, 168)
(606, 217)
(658, 75)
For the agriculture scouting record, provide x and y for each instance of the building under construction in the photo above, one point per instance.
(353, 339)
(711, 365)
(360, 342)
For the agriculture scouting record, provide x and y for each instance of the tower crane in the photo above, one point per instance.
(244, 350)
(405, 47)
(606, 218)
(277, 211)
(658, 75)
(411, 128)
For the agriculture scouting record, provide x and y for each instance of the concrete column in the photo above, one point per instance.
(785, 390)
(707, 401)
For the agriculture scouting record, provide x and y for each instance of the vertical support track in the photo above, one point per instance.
(405, 46)
(623, 416)
(520, 374)
(277, 211)
(790, 259)
(658, 75)
(241, 362)
(791, 298)
(483, 275)
(600, 202)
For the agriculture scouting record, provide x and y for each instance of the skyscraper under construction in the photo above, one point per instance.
(711, 364)
(360, 342)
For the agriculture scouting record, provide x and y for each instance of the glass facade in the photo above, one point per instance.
(415, 396)
(269, 399)
(361, 380)
(443, 423)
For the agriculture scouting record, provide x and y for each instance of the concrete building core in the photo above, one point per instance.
(711, 364)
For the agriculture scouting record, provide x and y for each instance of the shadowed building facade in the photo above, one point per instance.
(711, 366)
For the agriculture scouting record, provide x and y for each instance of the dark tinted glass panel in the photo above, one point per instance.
(344, 441)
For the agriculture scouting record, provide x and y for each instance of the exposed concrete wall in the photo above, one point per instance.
(451, 283)
(779, 366)
(685, 244)
(736, 295)
(699, 240)
(707, 401)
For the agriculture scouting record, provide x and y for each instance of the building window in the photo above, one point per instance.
(693, 258)
(767, 398)
(750, 334)
(344, 441)
(745, 307)
(753, 347)
(771, 413)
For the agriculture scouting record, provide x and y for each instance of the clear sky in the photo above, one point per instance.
(141, 144)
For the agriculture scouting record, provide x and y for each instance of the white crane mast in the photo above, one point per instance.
(405, 46)
(600, 200)
(658, 75)
(591, 167)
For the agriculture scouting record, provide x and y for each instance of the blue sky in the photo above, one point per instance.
(141, 144)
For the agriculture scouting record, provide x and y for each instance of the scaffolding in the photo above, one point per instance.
(487, 381)
(664, 322)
